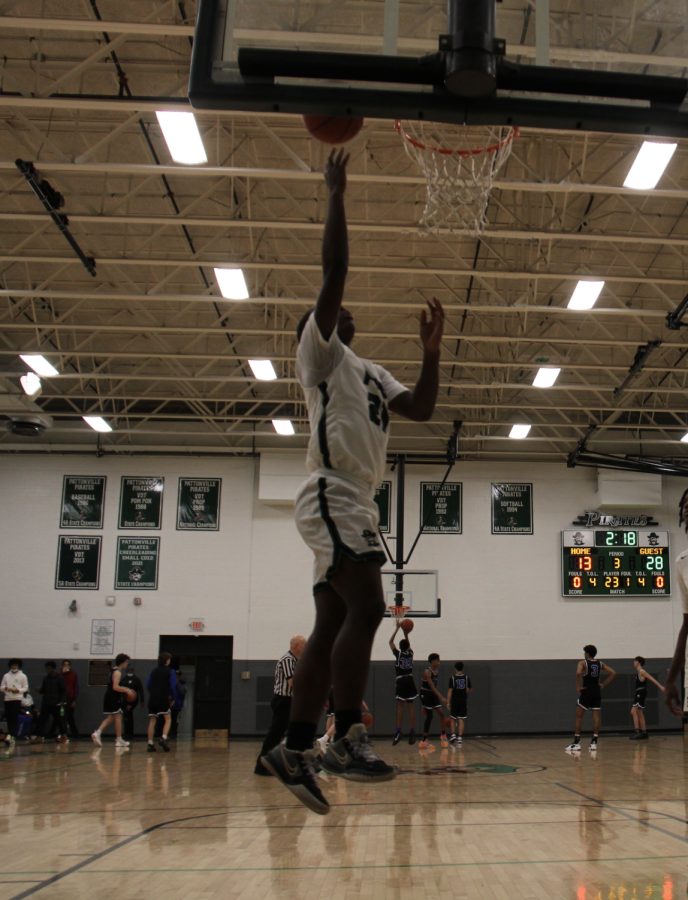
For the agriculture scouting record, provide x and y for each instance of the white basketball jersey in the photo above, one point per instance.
(347, 400)
(682, 573)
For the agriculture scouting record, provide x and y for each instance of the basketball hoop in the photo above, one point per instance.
(460, 169)
(398, 612)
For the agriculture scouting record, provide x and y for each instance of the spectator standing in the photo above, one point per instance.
(131, 681)
(281, 699)
(54, 695)
(71, 680)
(14, 686)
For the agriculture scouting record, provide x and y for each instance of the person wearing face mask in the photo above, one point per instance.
(14, 686)
(71, 680)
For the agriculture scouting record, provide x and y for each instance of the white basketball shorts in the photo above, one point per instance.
(337, 517)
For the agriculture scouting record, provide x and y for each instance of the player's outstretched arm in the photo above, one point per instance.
(671, 696)
(648, 677)
(419, 404)
(391, 640)
(335, 246)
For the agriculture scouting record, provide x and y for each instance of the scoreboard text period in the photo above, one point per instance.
(614, 562)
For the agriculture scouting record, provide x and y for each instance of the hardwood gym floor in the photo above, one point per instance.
(500, 818)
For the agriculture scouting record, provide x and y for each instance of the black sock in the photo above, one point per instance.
(300, 736)
(576, 739)
(344, 719)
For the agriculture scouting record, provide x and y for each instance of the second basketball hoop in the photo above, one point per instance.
(460, 165)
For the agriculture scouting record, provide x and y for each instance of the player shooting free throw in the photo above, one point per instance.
(349, 401)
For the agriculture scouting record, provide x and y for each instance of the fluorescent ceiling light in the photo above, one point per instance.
(39, 364)
(649, 165)
(684, 439)
(96, 423)
(585, 294)
(283, 426)
(31, 384)
(182, 136)
(232, 284)
(518, 432)
(546, 377)
(262, 369)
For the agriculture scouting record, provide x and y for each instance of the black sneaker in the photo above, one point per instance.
(635, 737)
(412, 737)
(295, 770)
(351, 758)
(165, 746)
(644, 736)
(151, 748)
(261, 770)
(397, 738)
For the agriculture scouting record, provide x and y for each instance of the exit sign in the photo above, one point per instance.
(196, 624)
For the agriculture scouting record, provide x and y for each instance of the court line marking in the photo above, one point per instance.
(365, 867)
(622, 812)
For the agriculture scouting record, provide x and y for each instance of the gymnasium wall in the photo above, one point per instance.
(501, 603)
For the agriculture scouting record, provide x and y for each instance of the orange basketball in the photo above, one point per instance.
(407, 625)
(333, 129)
(367, 719)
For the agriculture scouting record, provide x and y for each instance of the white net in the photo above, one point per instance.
(460, 164)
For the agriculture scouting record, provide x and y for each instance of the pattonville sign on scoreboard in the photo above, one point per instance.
(614, 562)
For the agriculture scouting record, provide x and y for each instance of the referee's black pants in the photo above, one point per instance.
(281, 707)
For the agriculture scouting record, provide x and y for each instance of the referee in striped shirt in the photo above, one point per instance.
(281, 699)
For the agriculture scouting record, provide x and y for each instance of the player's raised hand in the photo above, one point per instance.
(432, 326)
(335, 172)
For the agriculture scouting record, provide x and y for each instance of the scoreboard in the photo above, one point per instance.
(608, 563)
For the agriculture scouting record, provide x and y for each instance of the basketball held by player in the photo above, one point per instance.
(349, 402)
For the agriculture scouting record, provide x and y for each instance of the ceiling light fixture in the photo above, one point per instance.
(518, 432)
(232, 284)
(263, 369)
(39, 364)
(182, 137)
(283, 426)
(31, 384)
(684, 439)
(97, 423)
(585, 295)
(649, 165)
(546, 377)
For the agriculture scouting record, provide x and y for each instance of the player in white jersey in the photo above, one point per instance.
(671, 696)
(349, 400)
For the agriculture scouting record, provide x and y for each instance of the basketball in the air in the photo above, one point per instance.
(333, 129)
(407, 625)
(367, 719)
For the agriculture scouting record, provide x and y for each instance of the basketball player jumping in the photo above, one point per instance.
(671, 696)
(349, 400)
(406, 690)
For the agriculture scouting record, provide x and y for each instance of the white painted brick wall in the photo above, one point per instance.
(500, 594)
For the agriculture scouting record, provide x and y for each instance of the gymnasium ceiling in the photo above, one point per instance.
(151, 345)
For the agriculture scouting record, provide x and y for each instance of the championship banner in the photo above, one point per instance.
(78, 563)
(440, 507)
(83, 500)
(136, 568)
(140, 502)
(383, 498)
(512, 508)
(198, 504)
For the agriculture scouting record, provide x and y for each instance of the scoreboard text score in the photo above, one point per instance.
(612, 562)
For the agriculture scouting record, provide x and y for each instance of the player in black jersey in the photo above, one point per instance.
(406, 690)
(431, 699)
(457, 700)
(590, 693)
(641, 679)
